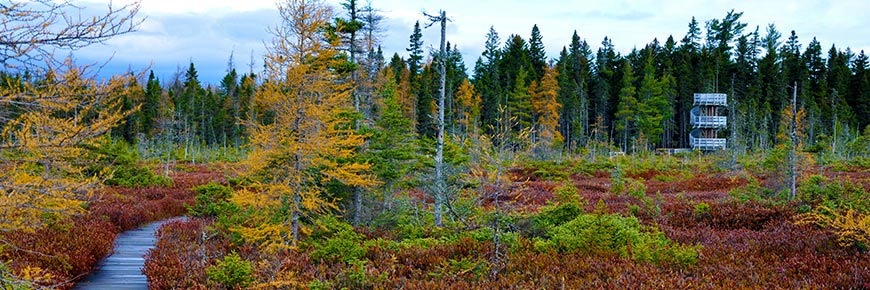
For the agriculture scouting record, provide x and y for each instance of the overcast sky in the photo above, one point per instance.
(208, 31)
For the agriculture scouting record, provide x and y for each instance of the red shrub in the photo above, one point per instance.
(64, 250)
(182, 254)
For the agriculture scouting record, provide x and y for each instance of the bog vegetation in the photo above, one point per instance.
(338, 168)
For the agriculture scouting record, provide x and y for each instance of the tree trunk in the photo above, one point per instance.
(441, 186)
(793, 143)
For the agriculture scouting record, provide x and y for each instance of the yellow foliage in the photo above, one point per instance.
(468, 103)
(283, 280)
(546, 107)
(51, 124)
(850, 227)
(311, 137)
(34, 274)
(268, 237)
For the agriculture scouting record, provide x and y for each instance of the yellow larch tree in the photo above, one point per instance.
(310, 139)
(545, 108)
(48, 127)
(468, 107)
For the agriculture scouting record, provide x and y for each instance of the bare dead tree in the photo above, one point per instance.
(30, 31)
(439, 146)
(794, 142)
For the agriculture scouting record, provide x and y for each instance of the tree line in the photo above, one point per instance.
(577, 101)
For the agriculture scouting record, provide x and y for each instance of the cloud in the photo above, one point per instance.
(206, 32)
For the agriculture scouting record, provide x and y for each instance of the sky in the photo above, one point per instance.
(207, 32)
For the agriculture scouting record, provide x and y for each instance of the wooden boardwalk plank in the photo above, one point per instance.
(123, 269)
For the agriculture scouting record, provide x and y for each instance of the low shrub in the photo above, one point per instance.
(211, 200)
(556, 215)
(752, 191)
(702, 209)
(614, 234)
(567, 193)
(122, 166)
(181, 255)
(840, 194)
(58, 252)
(851, 228)
(232, 272)
(344, 245)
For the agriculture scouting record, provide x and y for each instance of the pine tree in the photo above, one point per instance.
(652, 105)
(859, 90)
(230, 99)
(537, 54)
(626, 109)
(392, 147)
(151, 105)
(487, 83)
(519, 103)
(415, 50)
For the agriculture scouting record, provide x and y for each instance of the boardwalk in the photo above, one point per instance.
(123, 269)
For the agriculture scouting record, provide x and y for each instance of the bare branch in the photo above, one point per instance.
(30, 31)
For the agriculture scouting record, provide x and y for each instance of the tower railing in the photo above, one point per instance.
(706, 122)
(711, 100)
(699, 120)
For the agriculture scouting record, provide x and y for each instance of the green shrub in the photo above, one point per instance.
(320, 285)
(840, 194)
(633, 209)
(635, 188)
(567, 193)
(337, 241)
(232, 272)
(752, 191)
(614, 234)
(357, 276)
(120, 165)
(555, 215)
(211, 200)
(702, 209)
(549, 170)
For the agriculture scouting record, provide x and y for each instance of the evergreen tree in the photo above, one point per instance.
(151, 105)
(229, 100)
(391, 148)
(626, 112)
(519, 103)
(415, 50)
(652, 106)
(487, 82)
(537, 55)
(859, 90)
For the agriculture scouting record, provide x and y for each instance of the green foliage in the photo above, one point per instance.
(549, 170)
(753, 191)
(614, 234)
(343, 245)
(635, 188)
(320, 285)
(567, 193)
(556, 215)
(860, 146)
(232, 272)
(211, 200)
(123, 165)
(478, 267)
(357, 276)
(702, 209)
(839, 194)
